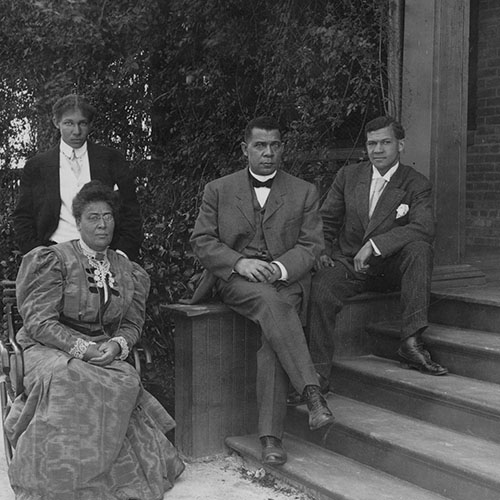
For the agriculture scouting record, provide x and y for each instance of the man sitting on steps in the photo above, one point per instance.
(379, 227)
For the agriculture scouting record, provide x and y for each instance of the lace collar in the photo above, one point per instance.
(101, 266)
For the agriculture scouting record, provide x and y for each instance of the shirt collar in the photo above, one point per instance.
(387, 176)
(263, 178)
(89, 251)
(67, 150)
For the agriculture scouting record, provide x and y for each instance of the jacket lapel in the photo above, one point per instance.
(276, 195)
(95, 162)
(362, 193)
(243, 195)
(388, 202)
(50, 174)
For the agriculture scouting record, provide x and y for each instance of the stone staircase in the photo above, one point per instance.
(400, 434)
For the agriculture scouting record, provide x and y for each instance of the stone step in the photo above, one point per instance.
(469, 353)
(325, 475)
(474, 307)
(446, 462)
(462, 404)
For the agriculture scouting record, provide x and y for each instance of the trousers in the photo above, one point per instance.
(409, 270)
(284, 354)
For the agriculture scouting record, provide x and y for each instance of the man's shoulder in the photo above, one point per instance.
(361, 168)
(100, 149)
(412, 175)
(355, 169)
(236, 178)
(228, 179)
(43, 158)
(294, 180)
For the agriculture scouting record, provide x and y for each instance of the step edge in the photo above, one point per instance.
(483, 407)
(362, 472)
(442, 295)
(456, 467)
(436, 338)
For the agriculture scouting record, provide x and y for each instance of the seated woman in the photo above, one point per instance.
(85, 428)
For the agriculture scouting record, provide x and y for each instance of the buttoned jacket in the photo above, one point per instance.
(226, 224)
(403, 214)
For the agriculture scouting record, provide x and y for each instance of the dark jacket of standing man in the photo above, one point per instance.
(258, 234)
(51, 179)
(379, 227)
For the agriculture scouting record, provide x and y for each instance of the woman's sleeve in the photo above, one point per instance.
(39, 288)
(133, 320)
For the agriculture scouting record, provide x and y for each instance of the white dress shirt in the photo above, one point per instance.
(69, 185)
(387, 177)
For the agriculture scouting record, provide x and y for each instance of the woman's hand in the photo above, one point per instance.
(102, 354)
(91, 352)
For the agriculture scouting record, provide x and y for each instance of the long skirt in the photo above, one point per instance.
(85, 432)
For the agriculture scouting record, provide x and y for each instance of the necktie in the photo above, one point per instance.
(376, 188)
(262, 184)
(75, 165)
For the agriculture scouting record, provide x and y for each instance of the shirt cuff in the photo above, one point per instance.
(376, 251)
(80, 348)
(124, 347)
(284, 272)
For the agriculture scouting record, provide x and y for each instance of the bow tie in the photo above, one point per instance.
(259, 184)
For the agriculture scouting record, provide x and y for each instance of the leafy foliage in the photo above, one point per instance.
(175, 82)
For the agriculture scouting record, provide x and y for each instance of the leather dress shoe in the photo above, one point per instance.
(296, 399)
(414, 356)
(273, 452)
(319, 413)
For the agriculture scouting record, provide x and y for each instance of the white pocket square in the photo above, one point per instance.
(402, 210)
(115, 187)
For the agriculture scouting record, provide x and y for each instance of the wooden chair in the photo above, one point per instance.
(11, 357)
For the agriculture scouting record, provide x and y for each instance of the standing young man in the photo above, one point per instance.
(379, 227)
(258, 235)
(51, 179)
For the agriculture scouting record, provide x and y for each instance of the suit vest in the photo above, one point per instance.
(257, 248)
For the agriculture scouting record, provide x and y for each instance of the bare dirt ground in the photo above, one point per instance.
(219, 478)
(230, 478)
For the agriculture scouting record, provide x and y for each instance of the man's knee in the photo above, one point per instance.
(418, 250)
(323, 289)
(271, 303)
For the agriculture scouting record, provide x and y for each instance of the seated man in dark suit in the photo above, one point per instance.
(379, 227)
(258, 235)
(50, 181)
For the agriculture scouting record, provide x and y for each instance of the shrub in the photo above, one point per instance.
(175, 83)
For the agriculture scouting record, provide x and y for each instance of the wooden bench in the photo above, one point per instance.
(215, 366)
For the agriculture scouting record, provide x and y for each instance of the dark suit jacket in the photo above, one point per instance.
(225, 226)
(346, 223)
(37, 212)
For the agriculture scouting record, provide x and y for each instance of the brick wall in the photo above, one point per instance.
(483, 153)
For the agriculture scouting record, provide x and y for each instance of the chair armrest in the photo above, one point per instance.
(139, 351)
(16, 353)
(4, 358)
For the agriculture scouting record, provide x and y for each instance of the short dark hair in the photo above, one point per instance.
(71, 102)
(91, 192)
(383, 122)
(262, 122)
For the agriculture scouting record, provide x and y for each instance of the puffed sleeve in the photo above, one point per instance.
(39, 288)
(129, 332)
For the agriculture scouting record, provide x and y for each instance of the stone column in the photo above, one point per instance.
(434, 111)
